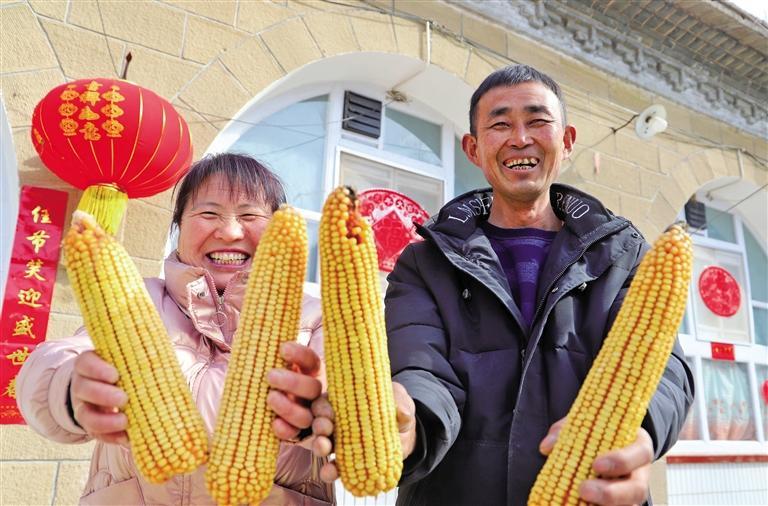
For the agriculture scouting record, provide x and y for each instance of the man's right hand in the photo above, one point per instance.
(96, 401)
(323, 427)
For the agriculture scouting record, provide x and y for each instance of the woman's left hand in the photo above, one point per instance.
(294, 389)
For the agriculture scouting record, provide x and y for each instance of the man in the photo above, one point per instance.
(495, 318)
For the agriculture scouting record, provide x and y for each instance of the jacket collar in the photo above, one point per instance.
(194, 292)
(581, 213)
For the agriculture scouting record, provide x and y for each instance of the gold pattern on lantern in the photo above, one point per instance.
(112, 110)
(113, 128)
(91, 94)
(67, 109)
(88, 114)
(38, 137)
(70, 93)
(113, 95)
(90, 132)
(69, 126)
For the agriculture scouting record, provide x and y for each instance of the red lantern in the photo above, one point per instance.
(112, 138)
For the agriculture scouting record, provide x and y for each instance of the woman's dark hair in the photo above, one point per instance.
(243, 174)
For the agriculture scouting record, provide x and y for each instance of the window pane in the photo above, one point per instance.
(761, 326)
(412, 137)
(720, 225)
(727, 396)
(761, 371)
(363, 174)
(709, 325)
(291, 142)
(312, 229)
(757, 264)
(683, 329)
(690, 428)
(468, 175)
(428, 192)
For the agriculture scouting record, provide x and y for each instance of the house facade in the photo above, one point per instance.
(283, 80)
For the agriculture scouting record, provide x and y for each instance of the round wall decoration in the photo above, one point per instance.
(720, 291)
(393, 218)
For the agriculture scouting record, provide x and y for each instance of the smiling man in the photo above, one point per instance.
(495, 318)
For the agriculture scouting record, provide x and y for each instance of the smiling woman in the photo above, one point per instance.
(68, 393)
(224, 187)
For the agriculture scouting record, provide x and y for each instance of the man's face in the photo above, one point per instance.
(521, 141)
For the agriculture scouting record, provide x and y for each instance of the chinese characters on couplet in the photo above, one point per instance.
(29, 289)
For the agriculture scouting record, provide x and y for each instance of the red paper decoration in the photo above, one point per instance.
(723, 351)
(393, 218)
(719, 291)
(108, 131)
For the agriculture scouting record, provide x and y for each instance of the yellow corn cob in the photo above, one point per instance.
(611, 404)
(165, 429)
(368, 451)
(244, 451)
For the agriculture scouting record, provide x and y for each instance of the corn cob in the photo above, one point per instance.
(368, 452)
(244, 451)
(611, 404)
(165, 429)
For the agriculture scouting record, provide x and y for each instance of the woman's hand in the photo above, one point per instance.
(96, 401)
(623, 474)
(294, 390)
(322, 428)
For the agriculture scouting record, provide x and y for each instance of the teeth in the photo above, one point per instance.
(228, 258)
(521, 161)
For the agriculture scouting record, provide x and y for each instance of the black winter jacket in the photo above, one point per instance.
(486, 387)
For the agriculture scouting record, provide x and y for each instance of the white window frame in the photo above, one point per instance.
(338, 140)
(750, 354)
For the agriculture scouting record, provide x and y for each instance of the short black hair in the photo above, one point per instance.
(243, 174)
(510, 76)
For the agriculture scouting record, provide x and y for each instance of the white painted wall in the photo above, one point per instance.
(718, 484)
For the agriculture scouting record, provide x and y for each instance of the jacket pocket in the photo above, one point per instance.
(125, 492)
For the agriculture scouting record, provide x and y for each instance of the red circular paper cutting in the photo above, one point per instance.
(720, 291)
(393, 218)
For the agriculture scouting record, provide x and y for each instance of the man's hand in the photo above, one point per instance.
(294, 390)
(96, 401)
(322, 428)
(623, 474)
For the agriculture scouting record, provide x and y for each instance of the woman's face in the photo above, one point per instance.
(220, 232)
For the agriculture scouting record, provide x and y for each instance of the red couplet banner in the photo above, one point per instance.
(29, 288)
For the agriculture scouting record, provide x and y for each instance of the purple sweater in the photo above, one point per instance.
(521, 252)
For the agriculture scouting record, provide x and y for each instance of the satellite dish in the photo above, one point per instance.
(651, 121)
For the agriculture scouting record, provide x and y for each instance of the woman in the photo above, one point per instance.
(68, 394)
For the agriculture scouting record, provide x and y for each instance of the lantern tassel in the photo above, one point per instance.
(106, 203)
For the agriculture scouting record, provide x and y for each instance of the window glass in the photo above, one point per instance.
(720, 225)
(727, 396)
(761, 326)
(361, 173)
(761, 371)
(468, 175)
(291, 143)
(710, 325)
(690, 428)
(412, 137)
(757, 262)
(683, 329)
(312, 230)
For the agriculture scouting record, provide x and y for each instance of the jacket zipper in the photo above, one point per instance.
(526, 360)
(527, 357)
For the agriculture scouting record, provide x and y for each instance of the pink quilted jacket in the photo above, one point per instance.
(201, 328)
